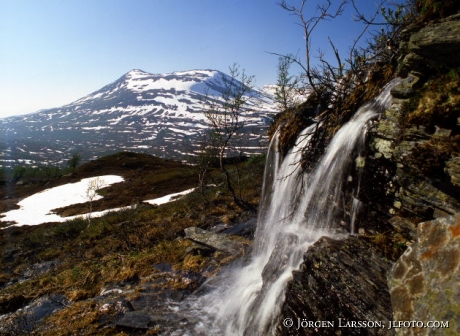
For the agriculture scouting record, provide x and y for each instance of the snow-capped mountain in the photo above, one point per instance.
(160, 114)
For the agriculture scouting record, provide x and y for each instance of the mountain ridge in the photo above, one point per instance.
(159, 114)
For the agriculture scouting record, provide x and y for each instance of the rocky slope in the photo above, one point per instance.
(409, 199)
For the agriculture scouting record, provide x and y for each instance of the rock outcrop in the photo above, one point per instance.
(438, 42)
(400, 147)
(433, 45)
(342, 282)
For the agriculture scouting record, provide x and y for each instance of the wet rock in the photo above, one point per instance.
(135, 320)
(218, 228)
(425, 281)
(407, 87)
(403, 226)
(245, 229)
(343, 279)
(279, 259)
(25, 320)
(171, 286)
(214, 240)
(189, 281)
(12, 303)
(425, 197)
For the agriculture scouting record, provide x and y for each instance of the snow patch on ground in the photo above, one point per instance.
(169, 198)
(38, 208)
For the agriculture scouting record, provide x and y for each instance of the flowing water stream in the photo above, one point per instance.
(295, 211)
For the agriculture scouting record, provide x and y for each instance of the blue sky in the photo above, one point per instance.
(53, 52)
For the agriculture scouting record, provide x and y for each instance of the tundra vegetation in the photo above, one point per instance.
(123, 246)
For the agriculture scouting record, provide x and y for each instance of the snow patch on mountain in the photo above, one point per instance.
(162, 114)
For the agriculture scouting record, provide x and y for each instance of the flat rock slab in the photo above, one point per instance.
(245, 229)
(214, 240)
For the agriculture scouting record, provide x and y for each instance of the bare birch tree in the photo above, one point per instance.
(286, 85)
(316, 75)
(225, 114)
(94, 186)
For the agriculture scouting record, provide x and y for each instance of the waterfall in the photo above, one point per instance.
(296, 210)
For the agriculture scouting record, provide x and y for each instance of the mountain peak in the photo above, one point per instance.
(137, 73)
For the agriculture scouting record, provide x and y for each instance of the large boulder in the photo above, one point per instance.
(425, 281)
(217, 241)
(340, 282)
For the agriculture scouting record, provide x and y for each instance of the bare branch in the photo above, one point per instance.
(368, 23)
(324, 11)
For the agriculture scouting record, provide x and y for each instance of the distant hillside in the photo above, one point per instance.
(159, 114)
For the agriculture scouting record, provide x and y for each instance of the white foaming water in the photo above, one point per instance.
(295, 211)
(355, 208)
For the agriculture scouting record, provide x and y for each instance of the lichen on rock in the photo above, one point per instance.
(425, 281)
